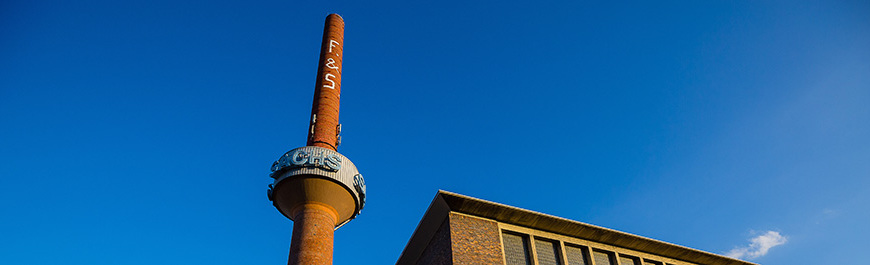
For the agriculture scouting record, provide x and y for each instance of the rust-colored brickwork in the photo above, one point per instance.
(313, 201)
(323, 131)
(313, 234)
(474, 240)
(438, 250)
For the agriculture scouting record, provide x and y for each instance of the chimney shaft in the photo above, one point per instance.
(315, 186)
(323, 130)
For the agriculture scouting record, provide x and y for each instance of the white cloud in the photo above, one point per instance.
(758, 246)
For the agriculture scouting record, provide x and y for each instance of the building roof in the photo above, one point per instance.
(446, 202)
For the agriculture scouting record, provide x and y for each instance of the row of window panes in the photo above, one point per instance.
(518, 252)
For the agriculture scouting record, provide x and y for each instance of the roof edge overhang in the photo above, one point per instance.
(446, 202)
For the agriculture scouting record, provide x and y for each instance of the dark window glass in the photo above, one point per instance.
(548, 253)
(623, 260)
(602, 258)
(516, 249)
(576, 256)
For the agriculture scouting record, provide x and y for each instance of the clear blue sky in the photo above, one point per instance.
(142, 132)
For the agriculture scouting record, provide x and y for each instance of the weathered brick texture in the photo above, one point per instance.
(474, 240)
(438, 251)
(463, 240)
(313, 235)
(327, 90)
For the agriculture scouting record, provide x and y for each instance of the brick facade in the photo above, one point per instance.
(474, 240)
(459, 229)
(438, 251)
(463, 240)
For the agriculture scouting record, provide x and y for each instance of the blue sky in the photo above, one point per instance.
(142, 132)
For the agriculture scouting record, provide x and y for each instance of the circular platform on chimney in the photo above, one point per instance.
(312, 174)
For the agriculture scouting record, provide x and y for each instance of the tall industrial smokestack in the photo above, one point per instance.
(315, 186)
(323, 131)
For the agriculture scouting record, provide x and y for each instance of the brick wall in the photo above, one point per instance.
(474, 240)
(463, 240)
(437, 252)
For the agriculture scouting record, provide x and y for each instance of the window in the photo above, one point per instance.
(576, 255)
(516, 249)
(532, 247)
(548, 252)
(603, 258)
(628, 260)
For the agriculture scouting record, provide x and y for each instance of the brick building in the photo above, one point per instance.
(458, 229)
